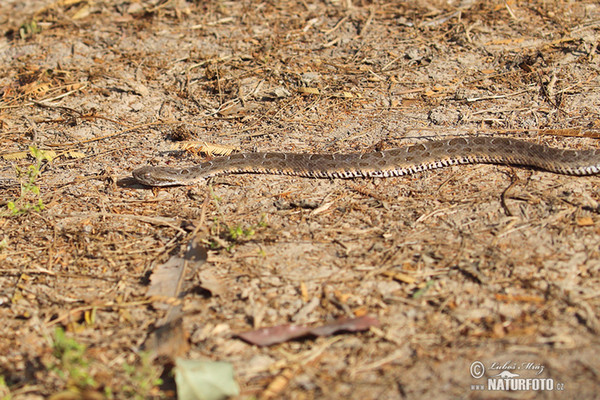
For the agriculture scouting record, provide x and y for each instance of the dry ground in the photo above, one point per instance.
(463, 264)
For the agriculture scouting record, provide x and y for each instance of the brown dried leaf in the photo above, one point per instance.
(203, 147)
(211, 282)
(585, 221)
(82, 12)
(170, 340)
(19, 155)
(75, 154)
(346, 324)
(399, 276)
(165, 279)
(283, 333)
(275, 334)
(196, 253)
(308, 90)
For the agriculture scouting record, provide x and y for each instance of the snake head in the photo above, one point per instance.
(157, 176)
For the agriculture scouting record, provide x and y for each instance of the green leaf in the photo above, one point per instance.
(35, 152)
(41, 155)
(204, 380)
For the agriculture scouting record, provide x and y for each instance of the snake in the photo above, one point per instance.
(387, 163)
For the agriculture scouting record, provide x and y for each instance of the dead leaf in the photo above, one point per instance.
(399, 276)
(203, 147)
(275, 334)
(169, 340)
(211, 282)
(283, 333)
(75, 154)
(196, 252)
(204, 380)
(585, 221)
(166, 279)
(346, 324)
(278, 384)
(82, 12)
(19, 155)
(164, 282)
(308, 90)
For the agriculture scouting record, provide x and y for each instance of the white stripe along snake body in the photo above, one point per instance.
(387, 163)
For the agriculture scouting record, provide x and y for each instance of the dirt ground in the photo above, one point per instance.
(466, 264)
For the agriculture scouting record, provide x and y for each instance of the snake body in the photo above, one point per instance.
(387, 163)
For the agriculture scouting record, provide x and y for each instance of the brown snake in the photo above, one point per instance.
(387, 163)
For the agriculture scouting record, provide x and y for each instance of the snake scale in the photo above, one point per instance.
(387, 163)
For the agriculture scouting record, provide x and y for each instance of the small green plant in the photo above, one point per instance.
(4, 391)
(141, 380)
(30, 198)
(71, 362)
(232, 233)
(420, 292)
(29, 29)
(237, 232)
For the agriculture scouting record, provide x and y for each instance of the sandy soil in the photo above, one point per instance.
(463, 264)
